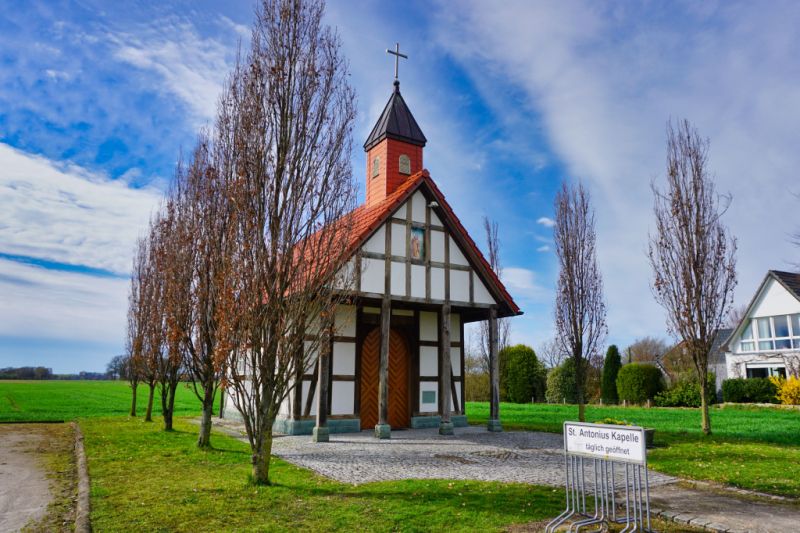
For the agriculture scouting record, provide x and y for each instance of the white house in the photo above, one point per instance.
(419, 271)
(767, 340)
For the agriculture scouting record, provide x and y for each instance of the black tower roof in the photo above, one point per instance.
(396, 122)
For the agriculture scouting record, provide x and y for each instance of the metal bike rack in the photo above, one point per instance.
(599, 477)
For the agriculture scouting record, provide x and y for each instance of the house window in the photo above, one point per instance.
(766, 334)
(405, 164)
(763, 371)
(747, 344)
(376, 166)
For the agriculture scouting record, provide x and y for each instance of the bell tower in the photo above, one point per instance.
(394, 147)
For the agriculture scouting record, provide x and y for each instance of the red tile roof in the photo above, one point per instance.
(364, 221)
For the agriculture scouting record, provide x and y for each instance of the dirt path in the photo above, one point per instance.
(24, 485)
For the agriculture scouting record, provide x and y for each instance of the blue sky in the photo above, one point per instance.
(98, 98)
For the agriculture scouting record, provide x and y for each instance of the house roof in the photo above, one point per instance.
(364, 221)
(717, 353)
(396, 122)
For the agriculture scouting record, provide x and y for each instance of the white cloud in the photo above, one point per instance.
(602, 81)
(544, 248)
(522, 283)
(191, 67)
(546, 222)
(67, 214)
(48, 304)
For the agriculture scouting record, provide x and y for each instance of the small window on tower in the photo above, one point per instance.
(376, 166)
(405, 164)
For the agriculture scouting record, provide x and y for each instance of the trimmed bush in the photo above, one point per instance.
(525, 375)
(637, 382)
(608, 383)
(749, 390)
(686, 393)
(561, 383)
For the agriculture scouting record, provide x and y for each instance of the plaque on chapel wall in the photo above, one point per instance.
(417, 243)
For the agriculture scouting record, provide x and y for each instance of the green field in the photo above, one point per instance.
(45, 401)
(751, 448)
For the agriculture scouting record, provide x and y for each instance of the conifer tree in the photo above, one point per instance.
(611, 366)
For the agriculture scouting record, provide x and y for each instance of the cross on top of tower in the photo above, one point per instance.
(397, 55)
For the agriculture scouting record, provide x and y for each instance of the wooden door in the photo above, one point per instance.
(398, 379)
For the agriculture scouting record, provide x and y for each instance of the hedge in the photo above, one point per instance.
(638, 382)
(686, 393)
(561, 383)
(525, 378)
(749, 390)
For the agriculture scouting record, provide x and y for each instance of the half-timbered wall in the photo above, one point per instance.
(438, 272)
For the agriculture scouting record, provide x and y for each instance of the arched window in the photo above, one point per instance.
(405, 164)
(376, 166)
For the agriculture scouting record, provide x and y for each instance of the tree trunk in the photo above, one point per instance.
(134, 390)
(168, 405)
(261, 457)
(148, 416)
(222, 402)
(704, 407)
(579, 386)
(204, 438)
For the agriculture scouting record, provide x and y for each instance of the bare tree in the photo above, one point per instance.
(692, 256)
(287, 115)
(580, 309)
(172, 269)
(201, 202)
(503, 326)
(735, 316)
(551, 353)
(144, 338)
(646, 350)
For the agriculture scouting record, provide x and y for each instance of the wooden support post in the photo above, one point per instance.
(382, 429)
(494, 374)
(320, 432)
(445, 426)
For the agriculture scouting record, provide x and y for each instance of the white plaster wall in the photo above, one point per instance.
(435, 219)
(455, 360)
(306, 387)
(459, 285)
(342, 394)
(345, 321)
(377, 243)
(344, 358)
(480, 292)
(417, 281)
(399, 239)
(456, 400)
(428, 364)
(429, 407)
(401, 212)
(775, 300)
(428, 326)
(437, 246)
(437, 283)
(455, 327)
(285, 408)
(310, 355)
(456, 257)
(372, 275)
(418, 205)
(398, 279)
(345, 277)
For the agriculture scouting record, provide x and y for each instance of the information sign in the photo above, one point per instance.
(602, 441)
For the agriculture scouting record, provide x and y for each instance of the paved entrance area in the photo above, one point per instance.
(24, 487)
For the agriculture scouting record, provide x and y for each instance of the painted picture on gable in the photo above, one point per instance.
(417, 243)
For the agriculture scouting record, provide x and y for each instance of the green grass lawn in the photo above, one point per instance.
(67, 400)
(752, 448)
(144, 479)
